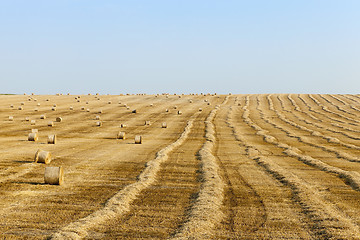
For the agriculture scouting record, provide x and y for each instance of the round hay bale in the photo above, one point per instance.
(51, 139)
(138, 139)
(51, 124)
(59, 119)
(27, 119)
(179, 112)
(11, 118)
(208, 103)
(22, 103)
(109, 102)
(47, 100)
(36, 109)
(20, 108)
(190, 101)
(205, 100)
(71, 108)
(166, 110)
(175, 107)
(34, 130)
(82, 108)
(87, 110)
(100, 111)
(87, 102)
(12, 105)
(151, 105)
(200, 109)
(133, 111)
(54, 175)
(35, 99)
(147, 122)
(127, 107)
(98, 124)
(32, 122)
(97, 117)
(164, 125)
(33, 136)
(42, 157)
(38, 104)
(78, 100)
(54, 105)
(123, 125)
(121, 135)
(53, 108)
(42, 117)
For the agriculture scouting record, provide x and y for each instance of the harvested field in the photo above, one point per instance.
(261, 166)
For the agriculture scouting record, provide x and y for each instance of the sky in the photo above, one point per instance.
(179, 46)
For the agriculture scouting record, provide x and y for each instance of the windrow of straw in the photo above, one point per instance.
(326, 218)
(120, 203)
(206, 211)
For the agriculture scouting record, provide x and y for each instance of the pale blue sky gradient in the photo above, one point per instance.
(142, 46)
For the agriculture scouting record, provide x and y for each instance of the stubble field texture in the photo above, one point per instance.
(257, 166)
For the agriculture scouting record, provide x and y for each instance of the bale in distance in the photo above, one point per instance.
(12, 105)
(33, 122)
(147, 122)
(88, 110)
(164, 125)
(200, 109)
(138, 139)
(82, 108)
(51, 139)
(97, 117)
(166, 110)
(127, 107)
(42, 157)
(20, 108)
(179, 112)
(100, 111)
(38, 104)
(27, 119)
(22, 103)
(53, 108)
(123, 125)
(54, 105)
(33, 136)
(51, 124)
(109, 102)
(98, 124)
(54, 175)
(34, 130)
(36, 109)
(133, 111)
(42, 117)
(71, 108)
(11, 118)
(121, 135)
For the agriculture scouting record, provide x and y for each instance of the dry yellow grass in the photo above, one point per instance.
(274, 166)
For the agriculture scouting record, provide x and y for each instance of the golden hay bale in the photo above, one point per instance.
(100, 111)
(98, 124)
(42, 117)
(190, 101)
(51, 139)
(82, 108)
(53, 108)
(88, 110)
(123, 125)
(97, 117)
(33, 136)
(109, 102)
(147, 122)
(35, 99)
(179, 96)
(179, 112)
(47, 100)
(138, 139)
(87, 103)
(11, 118)
(38, 104)
(166, 110)
(127, 107)
(200, 109)
(42, 157)
(164, 125)
(175, 107)
(59, 119)
(121, 135)
(12, 105)
(78, 100)
(27, 119)
(34, 130)
(71, 108)
(51, 124)
(208, 103)
(32, 122)
(133, 111)
(20, 108)
(36, 109)
(151, 105)
(54, 175)
(54, 105)
(205, 100)
(22, 103)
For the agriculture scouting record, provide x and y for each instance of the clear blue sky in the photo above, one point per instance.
(114, 46)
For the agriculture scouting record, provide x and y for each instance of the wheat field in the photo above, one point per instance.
(257, 166)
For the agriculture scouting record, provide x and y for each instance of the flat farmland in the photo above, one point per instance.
(259, 166)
